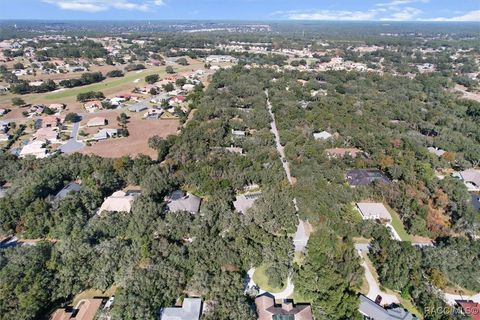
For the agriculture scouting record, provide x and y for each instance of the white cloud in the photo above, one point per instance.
(399, 3)
(331, 15)
(103, 5)
(405, 14)
(468, 16)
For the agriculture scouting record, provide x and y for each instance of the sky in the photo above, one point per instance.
(336, 10)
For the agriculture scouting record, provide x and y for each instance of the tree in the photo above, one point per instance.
(18, 101)
(72, 117)
(182, 61)
(169, 70)
(115, 73)
(152, 78)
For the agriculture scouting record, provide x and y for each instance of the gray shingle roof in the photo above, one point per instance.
(190, 310)
(375, 312)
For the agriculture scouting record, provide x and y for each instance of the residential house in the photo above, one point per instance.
(268, 310)
(105, 133)
(324, 135)
(436, 151)
(372, 311)
(188, 87)
(179, 201)
(191, 309)
(153, 113)
(470, 308)
(220, 59)
(49, 134)
(374, 211)
(471, 179)
(2, 111)
(116, 101)
(119, 201)
(50, 121)
(57, 107)
(92, 106)
(85, 310)
(4, 137)
(363, 177)
(238, 133)
(233, 149)
(35, 148)
(69, 188)
(4, 126)
(137, 107)
(97, 122)
(243, 202)
(343, 152)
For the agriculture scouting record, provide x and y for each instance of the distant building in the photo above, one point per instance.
(372, 311)
(238, 133)
(69, 188)
(324, 135)
(363, 177)
(190, 310)
(267, 310)
(137, 107)
(471, 178)
(179, 201)
(35, 148)
(49, 134)
(374, 211)
(85, 310)
(436, 151)
(220, 58)
(96, 122)
(119, 201)
(105, 134)
(244, 202)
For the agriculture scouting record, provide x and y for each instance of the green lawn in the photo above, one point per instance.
(107, 84)
(398, 225)
(260, 277)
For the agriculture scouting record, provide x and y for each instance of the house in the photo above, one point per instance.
(471, 178)
(153, 113)
(4, 137)
(372, 311)
(470, 308)
(119, 201)
(188, 87)
(97, 122)
(343, 152)
(373, 211)
(244, 202)
(324, 135)
(92, 106)
(85, 310)
(363, 177)
(50, 121)
(436, 151)
(116, 101)
(233, 149)
(46, 134)
(105, 133)
(238, 133)
(179, 201)
(4, 126)
(57, 107)
(301, 236)
(176, 100)
(268, 310)
(35, 148)
(220, 59)
(69, 188)
(191, 309)
(2, 111)
(137, 107)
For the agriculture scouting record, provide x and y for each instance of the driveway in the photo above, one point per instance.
(374, 287)
(73, 144)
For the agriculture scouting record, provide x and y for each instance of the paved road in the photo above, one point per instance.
(374, 288)
(73, 144)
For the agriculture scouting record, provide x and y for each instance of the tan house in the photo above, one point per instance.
(267, 310)
(97, 122)
(85, 310)
(50, 121)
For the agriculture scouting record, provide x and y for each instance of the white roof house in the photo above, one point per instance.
(96, 122)
(35, 148)
(179, 201)
(119, 201)
(471, 178)
(436, 151)
(190, 310)
(373, 211)
(105, 134)
(324, 135)
(244, 202)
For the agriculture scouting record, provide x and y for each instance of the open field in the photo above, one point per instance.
(109, 87)
(137, 142)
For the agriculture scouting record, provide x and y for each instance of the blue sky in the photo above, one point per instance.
(375, 10)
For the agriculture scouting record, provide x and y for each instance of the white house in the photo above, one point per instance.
(324, 135)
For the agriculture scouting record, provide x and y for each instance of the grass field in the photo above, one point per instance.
(260, 277)
(398, 225)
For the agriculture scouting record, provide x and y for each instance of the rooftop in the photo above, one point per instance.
(190, 310)
(363, 177)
